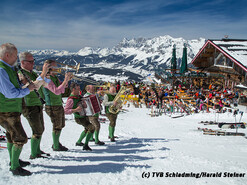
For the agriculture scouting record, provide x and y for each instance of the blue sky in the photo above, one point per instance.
(74, 24)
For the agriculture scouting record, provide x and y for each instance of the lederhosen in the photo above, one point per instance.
(32, 109)
(10, 112)
(54, 107)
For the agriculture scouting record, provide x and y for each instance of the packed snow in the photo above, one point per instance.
(148, 149)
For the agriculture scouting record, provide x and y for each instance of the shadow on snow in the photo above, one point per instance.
(127, 151)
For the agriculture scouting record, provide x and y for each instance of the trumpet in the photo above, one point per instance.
(79, 78)
(56, 70)
(76, 68)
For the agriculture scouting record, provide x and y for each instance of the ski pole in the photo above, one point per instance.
(241, 115)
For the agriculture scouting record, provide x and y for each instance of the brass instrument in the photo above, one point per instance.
(56, 70)
(76, 68)
(115, 109)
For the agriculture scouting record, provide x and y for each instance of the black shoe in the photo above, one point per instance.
(38, 156)
(100, 143)
(86, 147)
(20, 171)
(79, 144)
(60, 148)
(63, 148)
(113, 136)
(44, 153)
(22, 163)
(113, 139)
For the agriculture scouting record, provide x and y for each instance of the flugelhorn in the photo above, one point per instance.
(76, 68)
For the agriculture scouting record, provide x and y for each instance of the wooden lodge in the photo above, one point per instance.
(226, 57)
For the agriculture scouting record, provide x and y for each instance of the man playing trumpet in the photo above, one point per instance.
(75, 105)
(54, 104)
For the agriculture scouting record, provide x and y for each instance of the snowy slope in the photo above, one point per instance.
(145, 145)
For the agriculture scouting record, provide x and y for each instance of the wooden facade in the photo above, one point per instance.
(226, 57)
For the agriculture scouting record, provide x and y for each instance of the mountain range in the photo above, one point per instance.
(131, 59)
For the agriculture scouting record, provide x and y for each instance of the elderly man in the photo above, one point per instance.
(94, 119)
(32, 106)
(11, 95)
(108, 101)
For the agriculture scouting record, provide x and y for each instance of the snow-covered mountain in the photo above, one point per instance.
(130, 59)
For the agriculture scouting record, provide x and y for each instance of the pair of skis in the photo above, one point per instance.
(207, 131)
(231, 125)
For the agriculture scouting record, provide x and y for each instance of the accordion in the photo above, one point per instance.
(93, 105)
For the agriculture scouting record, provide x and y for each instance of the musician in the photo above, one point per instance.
(94, 119)
(75, 105)
(32, 108)
(54, 104)
(108, 101)
(11, 95)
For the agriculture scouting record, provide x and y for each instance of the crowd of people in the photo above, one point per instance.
(164, 96)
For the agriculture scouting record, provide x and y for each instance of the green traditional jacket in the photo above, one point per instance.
(110, 98)
(51, 98)
(32, 99)
(10, 104)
